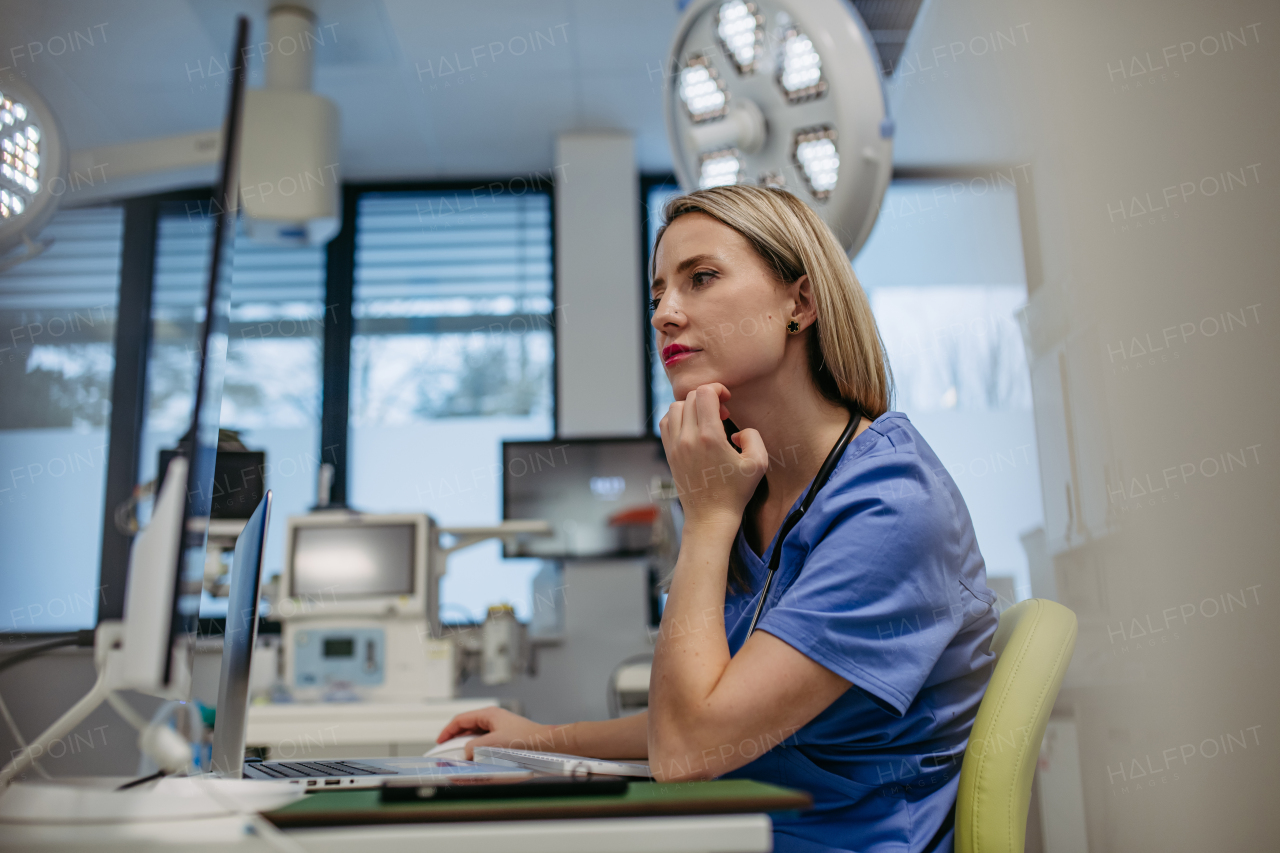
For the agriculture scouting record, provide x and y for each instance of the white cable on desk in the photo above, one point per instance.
(58, 730)
(17, 736)
(163, 745)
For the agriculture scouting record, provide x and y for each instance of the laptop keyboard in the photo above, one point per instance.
(310, 769)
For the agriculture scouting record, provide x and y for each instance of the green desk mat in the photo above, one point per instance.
(719, 796)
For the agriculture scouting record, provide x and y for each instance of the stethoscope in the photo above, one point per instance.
(824, 474)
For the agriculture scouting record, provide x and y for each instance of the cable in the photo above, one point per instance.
(79, 638)
(17, 736)
(159, 774)
(59, 729)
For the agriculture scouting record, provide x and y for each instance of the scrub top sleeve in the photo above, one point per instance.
(874, 600)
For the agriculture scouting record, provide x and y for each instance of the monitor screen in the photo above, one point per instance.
(353, 561)
(200, 445)
(596, 494)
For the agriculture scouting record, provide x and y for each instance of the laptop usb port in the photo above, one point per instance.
(333, 781)
(311, 783)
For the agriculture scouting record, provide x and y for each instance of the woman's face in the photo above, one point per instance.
(721, 314)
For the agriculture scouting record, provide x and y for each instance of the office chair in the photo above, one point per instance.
(1034, 643)
(629, 686)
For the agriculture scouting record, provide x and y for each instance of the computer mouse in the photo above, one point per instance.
(454, 747)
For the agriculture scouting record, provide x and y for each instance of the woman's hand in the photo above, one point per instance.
(714, 482)
(497, 727)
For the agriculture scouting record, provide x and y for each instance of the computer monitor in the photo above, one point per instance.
(151, 667)
(237, 643)
(339, 562)
(598, 494)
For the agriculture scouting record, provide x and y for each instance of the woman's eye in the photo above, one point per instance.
(653, 303)
(702, 277)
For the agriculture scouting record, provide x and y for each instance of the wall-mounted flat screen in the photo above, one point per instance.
(598, 494)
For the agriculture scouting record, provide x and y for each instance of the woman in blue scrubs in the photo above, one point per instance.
(861, 675)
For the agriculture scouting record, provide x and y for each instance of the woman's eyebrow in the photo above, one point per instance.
(691, 261)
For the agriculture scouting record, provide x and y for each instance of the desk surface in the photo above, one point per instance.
(229, 833)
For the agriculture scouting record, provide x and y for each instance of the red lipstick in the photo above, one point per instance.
(674, 353)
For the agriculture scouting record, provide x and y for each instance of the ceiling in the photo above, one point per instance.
(425, 89)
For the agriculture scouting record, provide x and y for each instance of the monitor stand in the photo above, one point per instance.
(129, 653)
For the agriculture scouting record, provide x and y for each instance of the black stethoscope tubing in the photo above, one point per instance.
(824, 474)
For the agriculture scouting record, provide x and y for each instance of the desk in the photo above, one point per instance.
(337, 730)
(704, 834)
(218, 830)
(749, 833)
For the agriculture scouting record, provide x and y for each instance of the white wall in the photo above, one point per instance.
(1171, 689)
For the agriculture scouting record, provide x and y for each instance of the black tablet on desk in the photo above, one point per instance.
(415, 791)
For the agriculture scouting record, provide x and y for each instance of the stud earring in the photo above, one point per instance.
(793, 327)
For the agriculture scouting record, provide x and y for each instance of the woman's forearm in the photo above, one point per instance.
(692, 650)
(625, 737)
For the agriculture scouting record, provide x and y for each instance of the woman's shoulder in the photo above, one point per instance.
(890, 472)
(891, 511)
(891, 449)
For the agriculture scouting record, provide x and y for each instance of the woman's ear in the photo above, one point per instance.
(806, 310)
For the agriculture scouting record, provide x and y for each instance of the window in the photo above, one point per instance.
(56, 366)
(271, 396)
(944, 272)
(452, 353)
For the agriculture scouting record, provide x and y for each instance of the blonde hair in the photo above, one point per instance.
(846, 355)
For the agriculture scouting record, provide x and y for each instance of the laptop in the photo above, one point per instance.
(228, 758)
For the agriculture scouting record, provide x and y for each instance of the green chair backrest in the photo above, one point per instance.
(1033, 643)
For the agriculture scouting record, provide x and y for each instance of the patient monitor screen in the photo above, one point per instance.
(353, 561)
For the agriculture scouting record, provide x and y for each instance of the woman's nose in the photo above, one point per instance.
(668, 314)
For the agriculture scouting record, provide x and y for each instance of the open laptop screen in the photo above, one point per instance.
(238, 642)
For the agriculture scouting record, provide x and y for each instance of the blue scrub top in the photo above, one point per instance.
(881, 583)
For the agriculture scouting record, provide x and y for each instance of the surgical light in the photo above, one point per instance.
(788, 96)
(33, 167)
